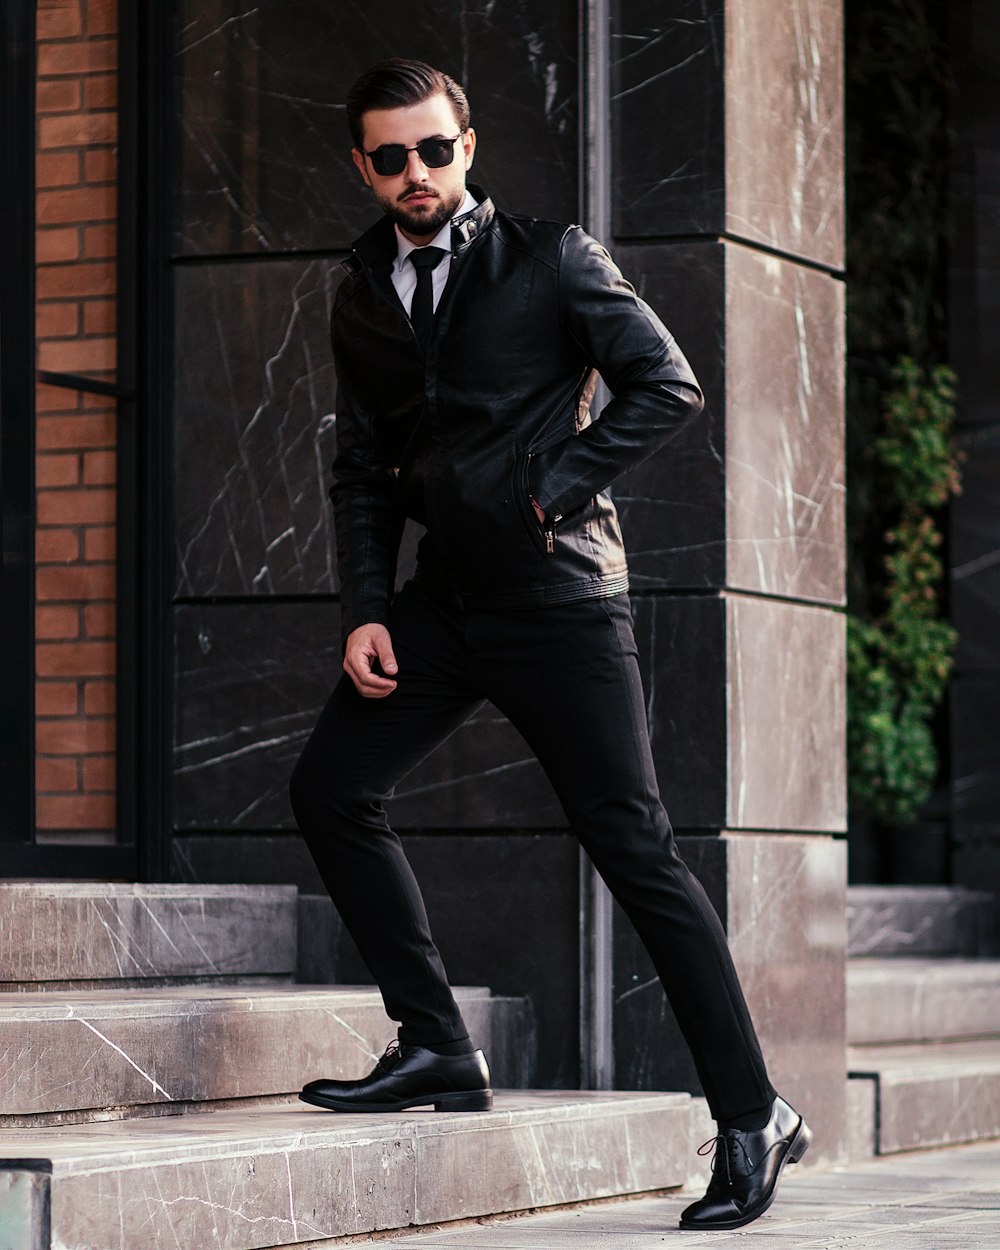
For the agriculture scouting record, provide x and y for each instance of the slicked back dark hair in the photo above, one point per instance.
(399, 83)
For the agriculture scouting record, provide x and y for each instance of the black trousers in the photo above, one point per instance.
(567, 678)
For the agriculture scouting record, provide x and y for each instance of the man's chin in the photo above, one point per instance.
(426, 222)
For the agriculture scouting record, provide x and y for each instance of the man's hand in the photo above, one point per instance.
(368, 645)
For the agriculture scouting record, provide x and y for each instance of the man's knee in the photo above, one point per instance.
(318, 788)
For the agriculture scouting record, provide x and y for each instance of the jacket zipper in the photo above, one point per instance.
(549, 527)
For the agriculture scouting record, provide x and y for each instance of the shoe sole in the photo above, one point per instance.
(463, 1100)
(796, 1149)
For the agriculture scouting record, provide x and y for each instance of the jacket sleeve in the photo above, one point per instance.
(655, 393)
(363, 493)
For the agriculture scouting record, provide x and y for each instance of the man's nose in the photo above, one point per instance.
(416, 170)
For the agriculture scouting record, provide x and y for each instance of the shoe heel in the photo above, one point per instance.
(472, 1100)
(800, 1142)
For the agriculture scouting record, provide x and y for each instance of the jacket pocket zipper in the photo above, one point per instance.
(549, 527)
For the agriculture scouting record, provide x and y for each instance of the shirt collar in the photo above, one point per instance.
(443, 237)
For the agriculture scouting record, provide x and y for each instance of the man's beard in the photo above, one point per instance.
(425, 223)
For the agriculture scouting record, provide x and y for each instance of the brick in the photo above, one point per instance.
(99, 620)
(58, 244)
(55, 775)
(57, 169)
(78, 355)
(75, 659)
(59, 469)
(53, 320)
(100, 241)
(100, 316)
(77, 130)
(57, 95)
(86, 57)
(99, 698)
(53, 208)
(102, 17)
(73, 583)
(99, 468)
(83, 278)
(83, 811)
(100, 165)
(56, 546)
(57, 698)
(100, 92)
(58, 18)
(99, 773)
(57, 622)
(55, 399)
(93, 430)
(89, 506)
(99, 542)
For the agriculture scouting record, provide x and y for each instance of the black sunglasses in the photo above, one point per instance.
(390, 159)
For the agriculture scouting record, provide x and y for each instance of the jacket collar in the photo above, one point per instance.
(376, 249)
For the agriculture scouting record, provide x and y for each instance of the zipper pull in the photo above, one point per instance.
(550, 538)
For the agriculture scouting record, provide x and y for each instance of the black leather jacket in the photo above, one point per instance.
(496, 414)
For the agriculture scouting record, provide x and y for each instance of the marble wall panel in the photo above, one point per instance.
(784, 120)
(682, 654)
(749, 101)
(781, 899)
(253, 428)
(784, 428)
(787, 716)
(672, 506)
(668, 67)
(251, 681)
(263, 150)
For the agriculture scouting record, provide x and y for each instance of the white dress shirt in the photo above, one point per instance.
(404, 276)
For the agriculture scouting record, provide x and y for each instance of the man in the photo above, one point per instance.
(467, 344)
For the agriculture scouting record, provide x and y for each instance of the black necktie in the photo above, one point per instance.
(424, 260)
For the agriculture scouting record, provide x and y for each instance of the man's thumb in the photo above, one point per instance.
(385, 656)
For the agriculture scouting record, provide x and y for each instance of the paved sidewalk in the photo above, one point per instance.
(945, 1199)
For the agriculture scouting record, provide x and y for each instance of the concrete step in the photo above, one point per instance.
(58, 934)
(108, 1054)
(933, 920)
(912, 1000)
(931, 1095)
(283, 1176)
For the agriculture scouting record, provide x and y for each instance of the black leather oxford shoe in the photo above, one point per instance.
(410, 1076)
(746, 1168)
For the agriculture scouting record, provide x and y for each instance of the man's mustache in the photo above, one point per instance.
(418, 191)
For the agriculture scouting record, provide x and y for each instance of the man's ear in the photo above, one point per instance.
(362, 165)
(469, 147)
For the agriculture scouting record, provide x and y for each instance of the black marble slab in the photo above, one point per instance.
(254, 394)
(263, 151)
(974, 699)
(782, 901)
(747, 139)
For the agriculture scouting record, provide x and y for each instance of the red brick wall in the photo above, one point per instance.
(75, 432)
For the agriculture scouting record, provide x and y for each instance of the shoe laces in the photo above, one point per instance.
(726, 1146)
(390, 1056)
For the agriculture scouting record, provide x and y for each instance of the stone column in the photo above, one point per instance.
(728, 214)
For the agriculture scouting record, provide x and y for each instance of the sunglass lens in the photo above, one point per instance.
(389, 159)
(436, 153)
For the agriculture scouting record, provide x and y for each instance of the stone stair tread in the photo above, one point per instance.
(915, 999)
(905, 1061)
(932, 1094)
(111, 931)
(84, 1052)
(284, 1175)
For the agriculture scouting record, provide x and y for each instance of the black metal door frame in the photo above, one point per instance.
(143, 661)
